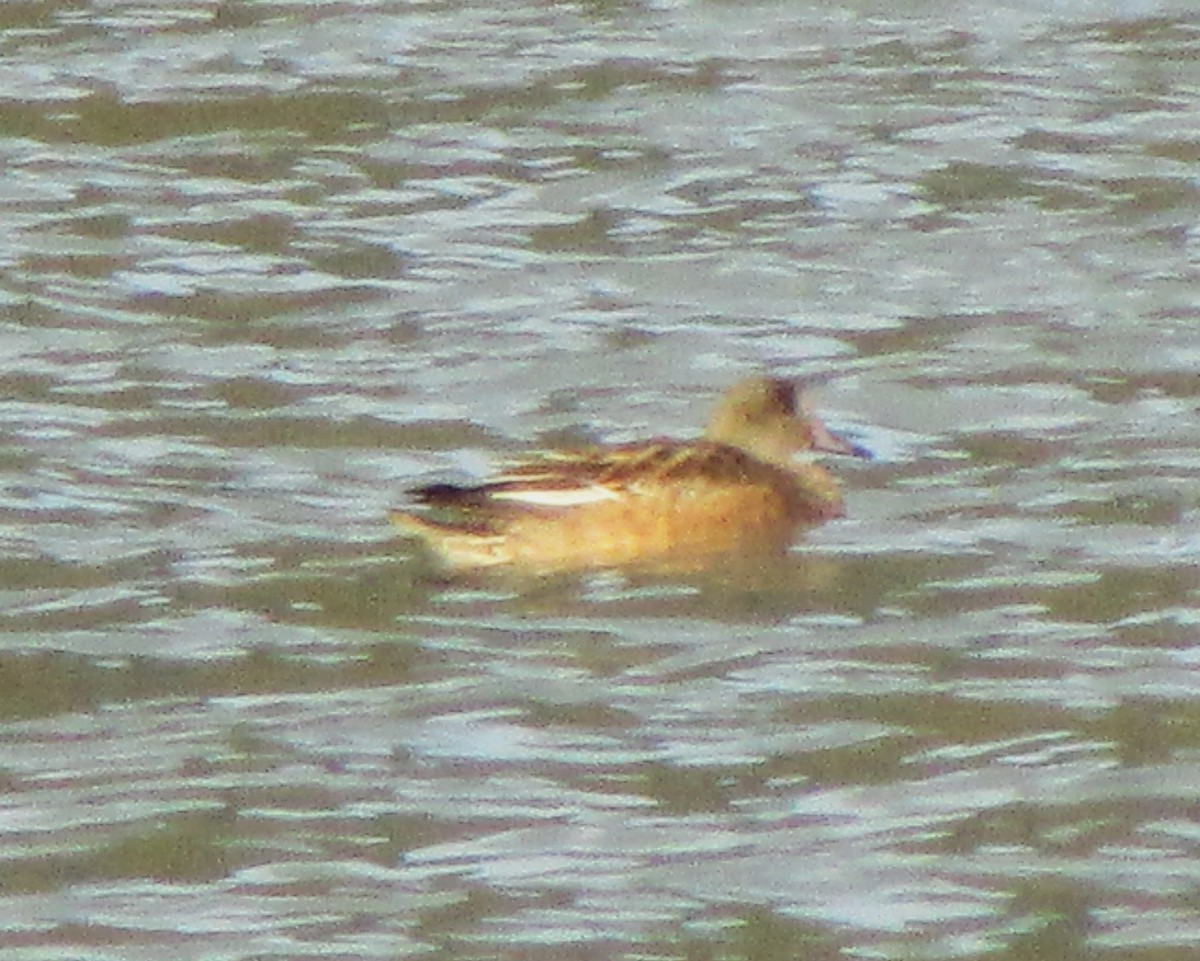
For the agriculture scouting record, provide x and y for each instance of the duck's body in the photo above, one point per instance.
(657, 502)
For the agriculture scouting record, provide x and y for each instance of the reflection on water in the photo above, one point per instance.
(264, 265)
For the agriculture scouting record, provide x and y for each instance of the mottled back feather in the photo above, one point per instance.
(625, 468)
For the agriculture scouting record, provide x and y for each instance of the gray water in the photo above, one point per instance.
(262, 265)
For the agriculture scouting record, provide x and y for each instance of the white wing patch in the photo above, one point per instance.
(565, 497)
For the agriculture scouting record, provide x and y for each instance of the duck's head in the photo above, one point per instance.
(764, 417)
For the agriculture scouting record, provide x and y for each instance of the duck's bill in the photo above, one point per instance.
(826, 441)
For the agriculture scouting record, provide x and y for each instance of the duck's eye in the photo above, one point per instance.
(783, 397)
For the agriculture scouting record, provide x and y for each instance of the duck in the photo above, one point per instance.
(747, 485)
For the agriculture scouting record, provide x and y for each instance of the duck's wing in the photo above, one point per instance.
(563, 479)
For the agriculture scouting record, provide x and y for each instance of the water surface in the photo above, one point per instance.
(265, 264)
